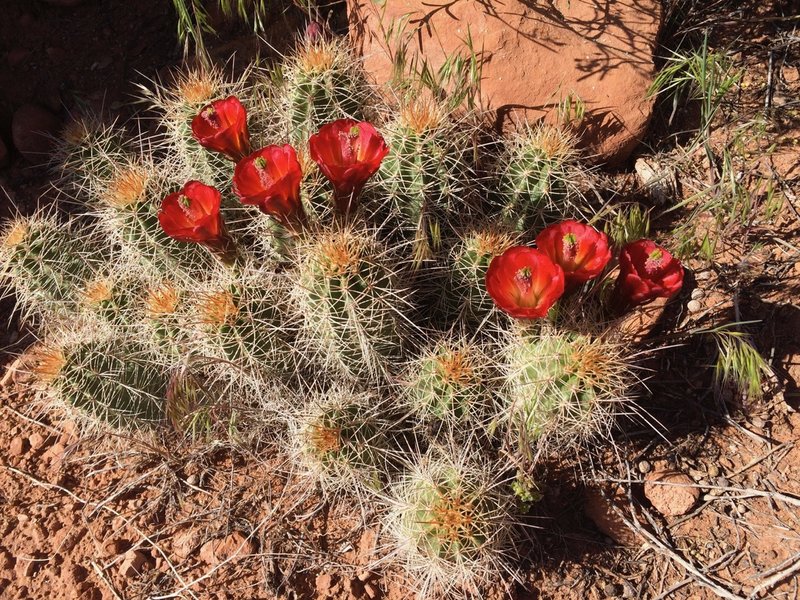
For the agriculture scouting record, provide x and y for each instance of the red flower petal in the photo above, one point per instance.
(524, 282)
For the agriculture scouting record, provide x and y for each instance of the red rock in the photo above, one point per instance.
(533, 56)
(33, 131)
(220, 550)
(36, 440)
(671, 493)
(18, 446)
(135, 562)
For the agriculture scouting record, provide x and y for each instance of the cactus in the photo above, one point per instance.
(162, 318)
(128, 213)
(449, 383)
(563, 388)
(451, 519)
(47, 263)
(350, 302)
(426, 175)
(322, 84)
(340, 437)
(534, 177)
(121, 384)
(178, 102)
(470, 261)
(243, 322)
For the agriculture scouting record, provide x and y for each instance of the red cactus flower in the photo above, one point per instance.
(222, 127)
(524, 282)
(270, 179)
(192, 215)
(348, 153)
(646, 272)
(579, 249)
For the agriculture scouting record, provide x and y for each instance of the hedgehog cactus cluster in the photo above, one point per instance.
(408, 308)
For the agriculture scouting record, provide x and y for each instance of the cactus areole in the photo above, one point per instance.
(270, 179)
(646, 272)
(524, 282)
(222, 127)
(579, 249)
(348, 153)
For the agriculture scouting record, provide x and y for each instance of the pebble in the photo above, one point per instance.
(694, 306)
(644, 467)
(712, 470)
(18, 447)
(702, 276)
(697, 294)
(612, 590)
(36, 440)
(134, 563)
(671, 493)
(758, 422)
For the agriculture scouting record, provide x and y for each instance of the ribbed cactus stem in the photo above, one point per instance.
(46, 263)
(322, 85)
(341, 438)
(120, 384)
(564, 388)
(471, 259)
(350, 302)
(449, 382)
(532, 186)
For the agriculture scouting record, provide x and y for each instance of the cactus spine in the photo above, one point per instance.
(563, 388)
(534, 175)
(451, 519)
(120, 384)
(449, 383)
(350, 302)
(47, 264)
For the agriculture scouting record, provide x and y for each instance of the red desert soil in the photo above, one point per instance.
(86, 515)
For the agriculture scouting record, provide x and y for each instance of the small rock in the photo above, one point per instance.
(370, 590)
(33, 131)
(6, 561)
(671, 493)
(697, 294)
(116, 547)
(758, 422)
(612, 590)
(18, 447)
(644, 467)
(220, 550)
(694, 306)
(702, 276)
(599, 509)
(36, 440)
(712, 470)
(134, 563)
(185, 541)
(193, 480)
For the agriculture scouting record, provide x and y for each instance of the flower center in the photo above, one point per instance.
(570, 246)
(211, 117)
(186, 205)
(261, 168)
(523, 278)
(654, 261)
